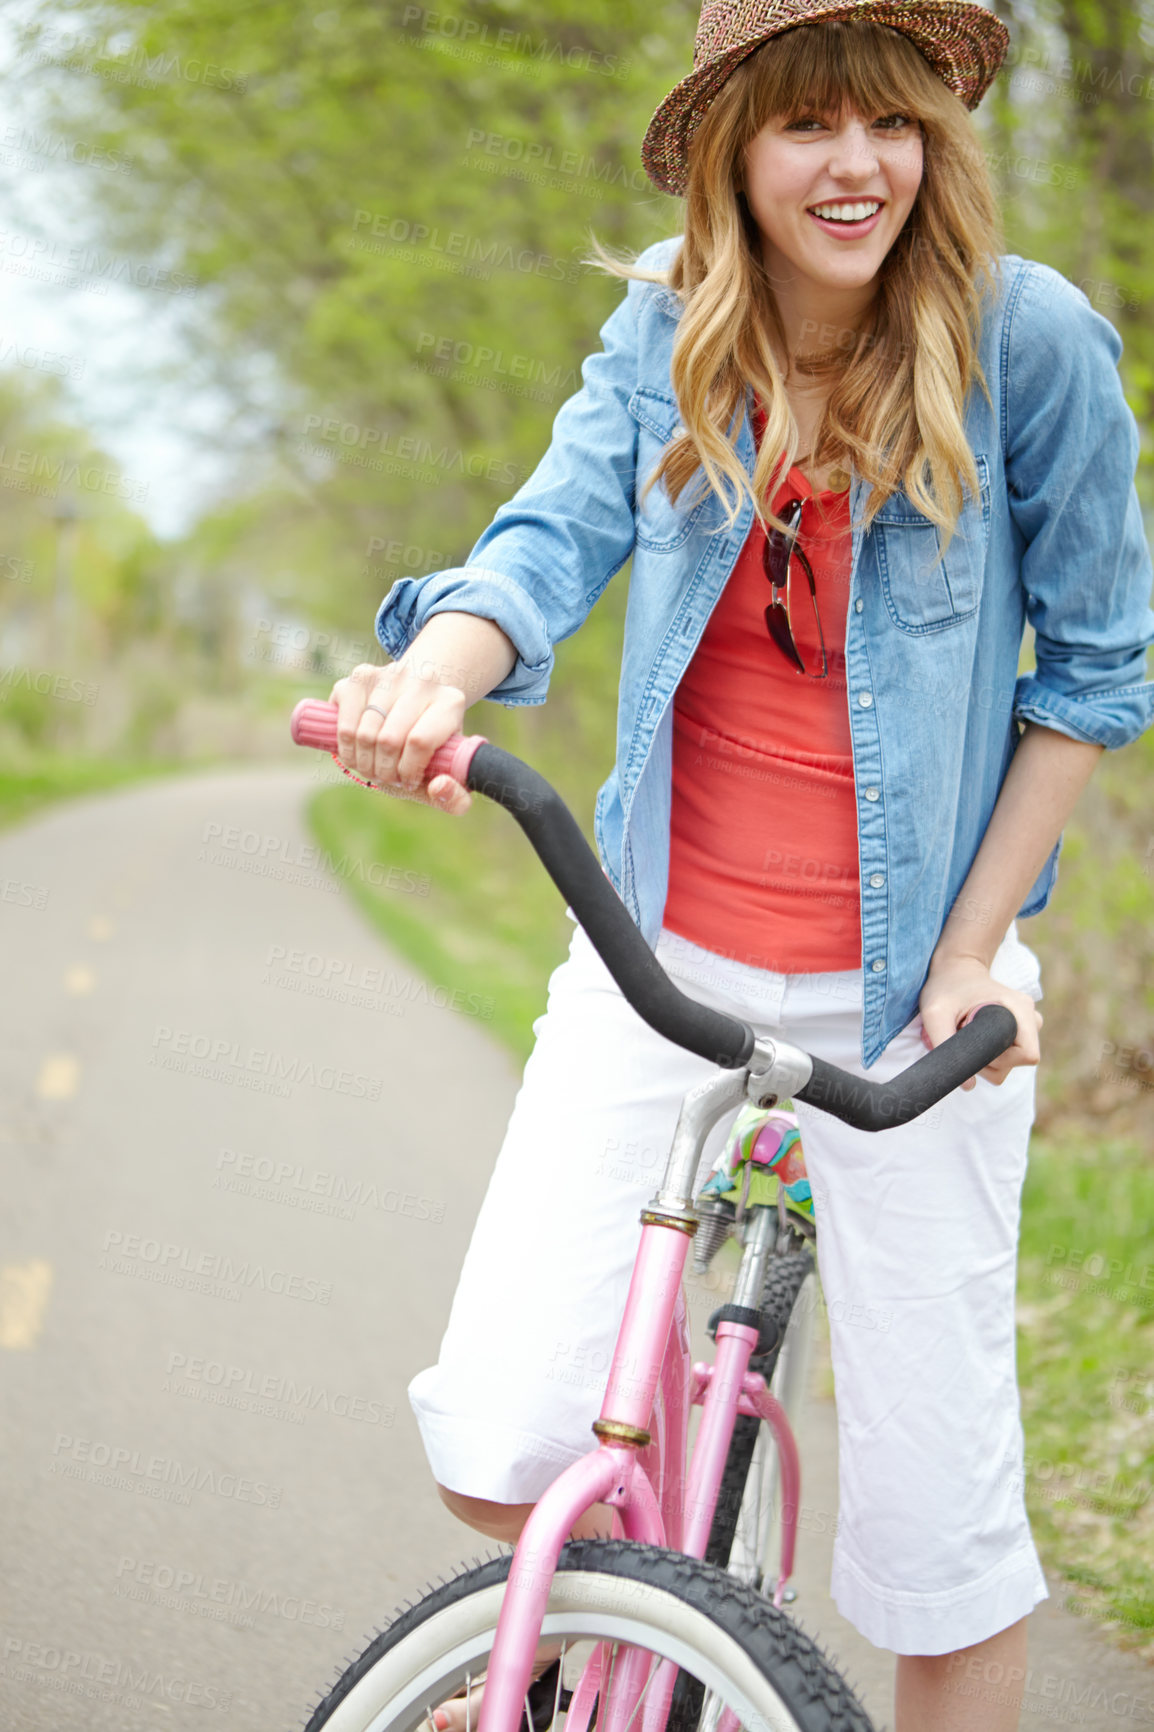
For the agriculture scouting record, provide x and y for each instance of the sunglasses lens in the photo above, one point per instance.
(778, 624)
(777, 556)
(823, 666)
(775, 559)
(778, 546)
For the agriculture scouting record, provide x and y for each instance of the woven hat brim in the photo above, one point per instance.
(967, 63)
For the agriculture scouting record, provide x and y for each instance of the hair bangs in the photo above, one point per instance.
(827, 69)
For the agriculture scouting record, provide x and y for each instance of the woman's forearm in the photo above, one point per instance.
(1046, 775)
(462, 650)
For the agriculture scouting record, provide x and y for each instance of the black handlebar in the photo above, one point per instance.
(575, 870)
(723, 1040)
(874, 1106)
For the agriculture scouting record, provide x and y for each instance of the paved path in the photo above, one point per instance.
(235, 1209)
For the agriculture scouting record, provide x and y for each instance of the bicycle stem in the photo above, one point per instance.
(774, 1072)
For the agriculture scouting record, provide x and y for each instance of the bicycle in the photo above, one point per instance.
(652, 1630)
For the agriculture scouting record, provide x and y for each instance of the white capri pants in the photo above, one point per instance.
(917, 1251)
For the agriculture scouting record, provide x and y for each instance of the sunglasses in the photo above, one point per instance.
(777, 558)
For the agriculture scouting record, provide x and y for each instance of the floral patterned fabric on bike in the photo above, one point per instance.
(768, 1144)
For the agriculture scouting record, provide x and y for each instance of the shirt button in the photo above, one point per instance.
(865, 699)
(873, 794)
(858, 605)
(877, 879)
(877, 965)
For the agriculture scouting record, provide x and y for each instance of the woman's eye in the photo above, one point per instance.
(802, 125)
(893, 122)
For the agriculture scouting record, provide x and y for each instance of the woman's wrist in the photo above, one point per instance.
(973, 932)
(463, 650)
(1046, 774)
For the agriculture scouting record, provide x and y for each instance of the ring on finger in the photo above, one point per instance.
(376, 710)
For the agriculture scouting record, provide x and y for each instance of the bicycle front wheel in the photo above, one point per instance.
(752, 1665)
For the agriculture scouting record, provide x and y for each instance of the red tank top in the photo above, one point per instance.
(763, 838)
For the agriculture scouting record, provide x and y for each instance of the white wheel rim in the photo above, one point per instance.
(397, 1690)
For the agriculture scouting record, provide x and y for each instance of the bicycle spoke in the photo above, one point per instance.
(645, 1691)
(653, 1672)
(626, 1670)
(560, 1682)
(709, 1713)
(608, 1687)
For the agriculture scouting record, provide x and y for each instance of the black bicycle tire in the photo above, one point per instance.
(784, 1279)
(801, 1674)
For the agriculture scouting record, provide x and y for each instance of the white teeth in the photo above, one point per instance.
(847, 212)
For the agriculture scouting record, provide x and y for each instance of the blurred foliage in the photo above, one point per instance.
(71, 540)
(1096, 944)
(81, 579)
(118, 649)
(360, 192)
(1071, 134)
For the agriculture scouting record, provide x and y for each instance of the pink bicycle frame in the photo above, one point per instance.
(639, 1470)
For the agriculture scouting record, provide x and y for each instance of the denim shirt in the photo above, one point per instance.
(1053, 537)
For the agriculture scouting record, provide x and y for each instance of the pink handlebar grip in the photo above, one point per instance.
(314, 723)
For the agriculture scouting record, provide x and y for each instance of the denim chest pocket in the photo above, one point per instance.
(922, 592)
(659, 524)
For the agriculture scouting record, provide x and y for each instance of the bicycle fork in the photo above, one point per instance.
(649, 1355)
(727, 1388)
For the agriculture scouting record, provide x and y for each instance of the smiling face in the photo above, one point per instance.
(830, 194)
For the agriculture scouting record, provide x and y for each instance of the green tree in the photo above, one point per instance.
(1074, 115)
(382, 209)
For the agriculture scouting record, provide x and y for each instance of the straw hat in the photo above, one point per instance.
(963, 42)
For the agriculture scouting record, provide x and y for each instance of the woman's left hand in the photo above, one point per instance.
(956, 986)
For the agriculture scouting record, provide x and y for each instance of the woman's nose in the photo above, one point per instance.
(854, 153)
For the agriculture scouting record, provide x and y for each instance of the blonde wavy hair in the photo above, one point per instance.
(897, 385)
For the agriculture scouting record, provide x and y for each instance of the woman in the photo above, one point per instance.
(833, 790)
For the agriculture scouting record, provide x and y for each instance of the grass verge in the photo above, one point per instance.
(484, 920)
(25, 788)
(1086, 1370)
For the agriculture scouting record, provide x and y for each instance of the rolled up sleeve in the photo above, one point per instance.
(550, 550)
(488, 594)
(1072, 445)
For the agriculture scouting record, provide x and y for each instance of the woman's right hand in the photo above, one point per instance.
(390, 722)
